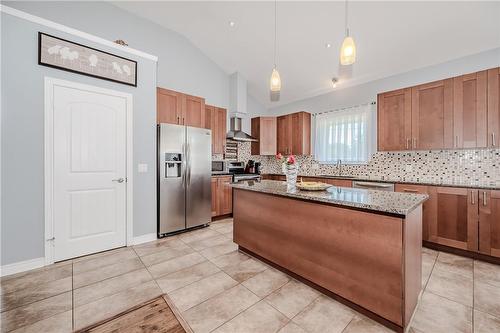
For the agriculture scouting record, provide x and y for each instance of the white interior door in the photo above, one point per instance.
(89, 164)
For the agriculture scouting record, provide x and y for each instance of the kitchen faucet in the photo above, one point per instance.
(339, 167)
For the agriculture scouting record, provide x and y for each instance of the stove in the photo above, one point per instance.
(239, 177)
(237, 169)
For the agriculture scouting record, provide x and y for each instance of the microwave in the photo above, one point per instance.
(219, 167)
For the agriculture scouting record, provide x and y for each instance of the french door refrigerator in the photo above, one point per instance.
(184, 172)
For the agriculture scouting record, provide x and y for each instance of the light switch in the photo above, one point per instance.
(142, 168)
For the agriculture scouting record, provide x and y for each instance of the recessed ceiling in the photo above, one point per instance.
(391, 38)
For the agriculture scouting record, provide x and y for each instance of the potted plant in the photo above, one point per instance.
(290, 169)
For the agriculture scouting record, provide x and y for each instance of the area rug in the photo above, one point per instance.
(157, 315)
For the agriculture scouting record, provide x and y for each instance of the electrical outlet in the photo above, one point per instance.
(142, 168)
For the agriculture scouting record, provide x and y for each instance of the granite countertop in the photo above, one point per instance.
(394, 203)
(470, 184)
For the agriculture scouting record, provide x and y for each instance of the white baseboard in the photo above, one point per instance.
(144, 238)
(22, 266)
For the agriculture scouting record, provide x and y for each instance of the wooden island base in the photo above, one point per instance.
(367, 260)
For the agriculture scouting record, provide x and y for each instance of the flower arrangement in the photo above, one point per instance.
(290, 169)
(290, 160)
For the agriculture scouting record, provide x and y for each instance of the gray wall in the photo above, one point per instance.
(368, 92)
(181, 65)
(22, 234)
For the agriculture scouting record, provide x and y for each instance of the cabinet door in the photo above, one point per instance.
(494, 107)
(209, 119)
(225, 195)
(300, 136)
(469, 110)
(213, 186)
(194, 111)
(264, 129)
(489, 222)
(428, 208)
(432, 115)
(168, 106)
(284, 134)
(456, 218)
(221, 120)
(394, 120)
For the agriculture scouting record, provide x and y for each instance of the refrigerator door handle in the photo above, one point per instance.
(188, 170)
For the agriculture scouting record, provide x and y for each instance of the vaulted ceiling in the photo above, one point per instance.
(391, 37)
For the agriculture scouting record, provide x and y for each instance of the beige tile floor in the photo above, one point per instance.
(218, 289)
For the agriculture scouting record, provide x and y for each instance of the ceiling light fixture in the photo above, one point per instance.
(334, 82)
(232, 24)
(275, 81)
(348, 49)
(328, 45)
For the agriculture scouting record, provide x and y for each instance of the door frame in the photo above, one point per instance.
(50, 83)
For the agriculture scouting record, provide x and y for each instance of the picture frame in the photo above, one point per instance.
(77, 58)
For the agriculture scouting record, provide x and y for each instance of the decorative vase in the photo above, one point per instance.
(290, 171)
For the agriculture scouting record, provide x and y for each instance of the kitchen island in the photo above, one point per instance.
(361, 247)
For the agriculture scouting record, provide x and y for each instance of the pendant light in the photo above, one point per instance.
(275, 81)
(348, 49)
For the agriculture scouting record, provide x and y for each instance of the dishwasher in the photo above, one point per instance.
(368, 185)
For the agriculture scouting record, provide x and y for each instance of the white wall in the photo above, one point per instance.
(367, 92)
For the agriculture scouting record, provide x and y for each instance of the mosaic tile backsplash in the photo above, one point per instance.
(474, 167)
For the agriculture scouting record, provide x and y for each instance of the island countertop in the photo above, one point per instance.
(392, 203)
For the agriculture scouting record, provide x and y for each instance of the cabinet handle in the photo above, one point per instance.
(493, 139)
(414, 143)
(178, 120)
(472, 198)
(407, 143)
(409, 190)
(456, 141)
(484, 198)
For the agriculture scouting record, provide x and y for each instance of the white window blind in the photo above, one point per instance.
(347, 135)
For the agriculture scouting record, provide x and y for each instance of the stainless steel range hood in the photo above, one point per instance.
(236, 133)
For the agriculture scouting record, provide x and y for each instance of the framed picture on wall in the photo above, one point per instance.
(77, 58)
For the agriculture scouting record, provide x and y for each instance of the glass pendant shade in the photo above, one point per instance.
(275, 81)
(348, 51)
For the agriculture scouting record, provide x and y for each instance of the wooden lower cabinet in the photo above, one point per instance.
(428, 208)
(222, 195)
(489, 222)
(454, 220)
(213, 186)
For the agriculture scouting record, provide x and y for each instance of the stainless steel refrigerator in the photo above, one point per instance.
(184, 172)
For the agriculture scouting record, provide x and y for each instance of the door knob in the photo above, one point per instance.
(119, 180)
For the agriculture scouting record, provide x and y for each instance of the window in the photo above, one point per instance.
(347, 135)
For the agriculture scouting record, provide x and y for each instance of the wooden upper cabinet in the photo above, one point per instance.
(470, 110)
(215, 119)
(489, 222)
(169, 106)
(493, 129)
(194, 114)
(264, 129)
(394, 120)
(177, 108)
(294, 133)
(455, 220)
(432, 115)
(301, 133)
(283, 134)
